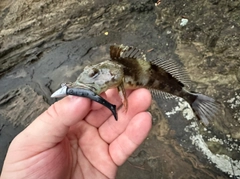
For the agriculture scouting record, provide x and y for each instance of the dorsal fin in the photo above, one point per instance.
(121, 51)
(118, 52)
(175, 69)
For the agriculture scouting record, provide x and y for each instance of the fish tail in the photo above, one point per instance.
(205, 108)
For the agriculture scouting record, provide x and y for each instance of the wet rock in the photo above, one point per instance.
(42, 22)
(21, 106)
(238, 74)
(142, 6)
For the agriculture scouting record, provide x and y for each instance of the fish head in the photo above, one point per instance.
(100, 77)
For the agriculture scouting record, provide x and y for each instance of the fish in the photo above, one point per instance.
(128, 68)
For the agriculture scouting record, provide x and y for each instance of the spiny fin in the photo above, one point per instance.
(120, 51)
(205, 108)
(175, 69)
(123, 96)
(161, 94)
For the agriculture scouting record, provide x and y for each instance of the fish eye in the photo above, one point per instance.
(93, 73)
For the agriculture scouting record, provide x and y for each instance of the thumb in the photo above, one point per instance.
(52, 126)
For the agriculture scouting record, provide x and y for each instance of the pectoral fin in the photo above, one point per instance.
(123, 96)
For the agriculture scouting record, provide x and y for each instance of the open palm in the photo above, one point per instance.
(77, 138)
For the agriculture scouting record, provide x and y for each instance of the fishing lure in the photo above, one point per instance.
(64, 90)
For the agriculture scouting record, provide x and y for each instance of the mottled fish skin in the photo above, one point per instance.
(138, 72)
(100, 77)
(141, 73)
(128, 68)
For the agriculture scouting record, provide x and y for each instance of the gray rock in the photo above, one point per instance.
(21, 106)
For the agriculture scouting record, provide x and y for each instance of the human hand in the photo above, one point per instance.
(77, 138)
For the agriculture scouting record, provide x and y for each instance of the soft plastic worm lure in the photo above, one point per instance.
(64, 91)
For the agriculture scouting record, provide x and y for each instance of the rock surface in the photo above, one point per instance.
(42, 40)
